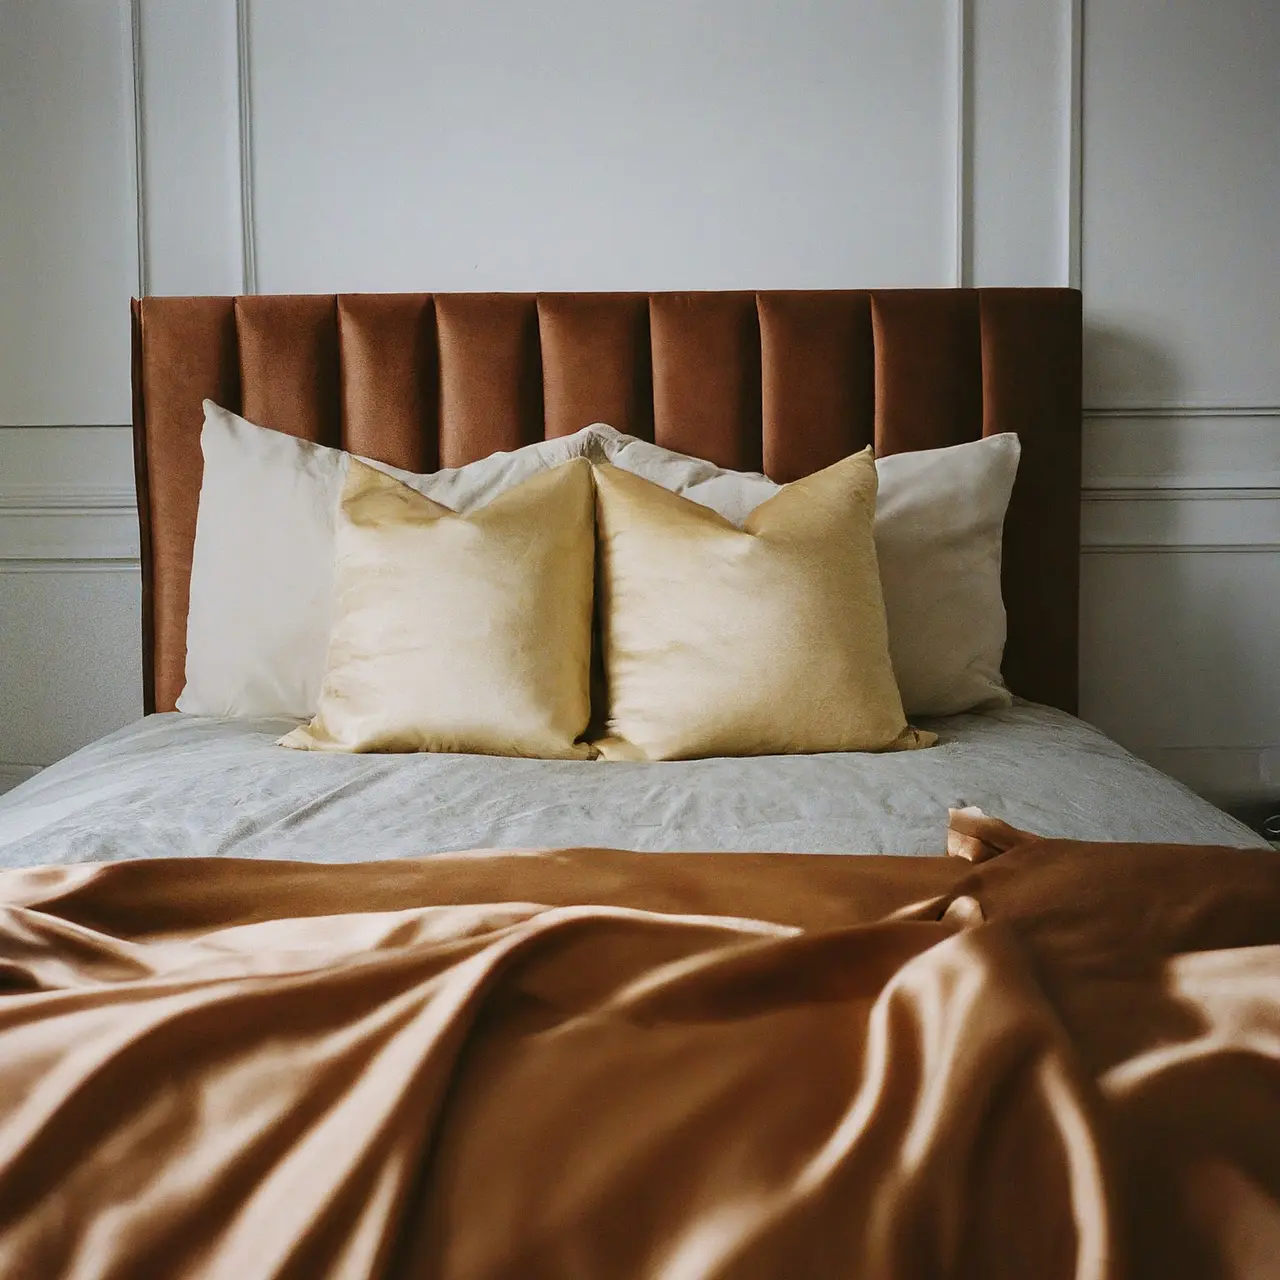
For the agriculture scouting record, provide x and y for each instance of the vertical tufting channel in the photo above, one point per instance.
(289, 370)
(490, 374)
(928, 368)
(706, 376)
(390, 378)
(596, 364)
(187, 353)
(817, 380)
(1031, 384)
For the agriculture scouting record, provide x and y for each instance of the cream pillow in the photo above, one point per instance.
(460, 632)
(262, 568)
(763, 640)
(939, 538)
(939, 526)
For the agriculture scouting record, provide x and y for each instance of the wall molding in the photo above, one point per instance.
(65, 426)
(962, 274)
(1180, 520)
(18, 498)
(71, 524)
(1162, 449)
(1205, 487)
(1180, 548)
(1171, 410)
(70, 565)
(1073, 249)
(244, 89)
(139, 174)
(1182, 493)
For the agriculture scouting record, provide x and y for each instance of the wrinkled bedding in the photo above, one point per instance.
(184, 786)
(1054, 1060)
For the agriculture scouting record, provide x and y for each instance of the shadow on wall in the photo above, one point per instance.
(1122, 367)
(1124, 370)
(1170, 664)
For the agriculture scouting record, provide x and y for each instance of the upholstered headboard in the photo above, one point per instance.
(781, 382)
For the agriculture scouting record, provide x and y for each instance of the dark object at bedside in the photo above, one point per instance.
(1262, 816)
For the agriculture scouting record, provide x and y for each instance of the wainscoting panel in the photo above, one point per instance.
(66, 524)
(581, 145)
(72, 670)
(68, 231)
(1179, 661)
(1022, 106)
(1182, 449)
(70, 593)
(1180, 601)
(1181, 520)
(66, 495)
(188, 105)
(1182, 186)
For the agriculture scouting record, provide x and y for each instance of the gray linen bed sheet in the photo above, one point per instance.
(185, 786)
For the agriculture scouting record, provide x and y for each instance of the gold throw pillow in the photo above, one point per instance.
(763, 640)
(460, 633)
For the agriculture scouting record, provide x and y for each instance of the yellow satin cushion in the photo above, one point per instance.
(764, 640)
(460, 633)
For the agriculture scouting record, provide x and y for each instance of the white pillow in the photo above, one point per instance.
(939, 525)
(262, 567)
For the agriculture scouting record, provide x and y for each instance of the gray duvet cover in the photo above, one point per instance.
(184, 786)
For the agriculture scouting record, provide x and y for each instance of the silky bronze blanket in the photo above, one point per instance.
(1037, 1059)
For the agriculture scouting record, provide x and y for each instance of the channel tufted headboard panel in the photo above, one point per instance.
(781, 382)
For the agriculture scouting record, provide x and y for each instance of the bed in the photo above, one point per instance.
(780, 382)
(271, 1013)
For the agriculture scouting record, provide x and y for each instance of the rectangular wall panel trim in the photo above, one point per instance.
(963, 159)
(1202, 410)
(244, 97)
(1187, 520)
(64, 565)
(139, 148)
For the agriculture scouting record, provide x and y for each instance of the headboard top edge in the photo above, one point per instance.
(927, 366)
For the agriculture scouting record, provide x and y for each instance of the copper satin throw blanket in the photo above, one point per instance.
(1055, 1060)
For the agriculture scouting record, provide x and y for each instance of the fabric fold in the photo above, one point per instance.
(1062, 1060)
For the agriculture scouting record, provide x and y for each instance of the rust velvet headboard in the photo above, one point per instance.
(784, 382)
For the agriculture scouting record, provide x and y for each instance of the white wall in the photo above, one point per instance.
(277, 145)
(1181, 270)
